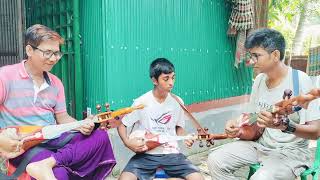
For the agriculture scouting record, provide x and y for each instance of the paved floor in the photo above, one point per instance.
(213, 119)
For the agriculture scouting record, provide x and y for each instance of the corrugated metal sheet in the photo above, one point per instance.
(59, 15)
(122, 37)
(11, 45)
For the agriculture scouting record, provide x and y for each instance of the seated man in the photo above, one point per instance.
(282, 149)
(30, 95)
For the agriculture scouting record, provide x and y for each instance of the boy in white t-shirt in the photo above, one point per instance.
(282, 150)
(162, 115)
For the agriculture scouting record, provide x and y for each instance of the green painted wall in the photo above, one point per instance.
(120, 38)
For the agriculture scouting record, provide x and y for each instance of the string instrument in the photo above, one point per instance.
(34, 135)
(294, 103)
(249, 130)
(154, 140)
(203, 134)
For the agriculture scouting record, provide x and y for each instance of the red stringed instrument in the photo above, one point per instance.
(154, 140)
(290, 105)
(249, 130)
(34, 135)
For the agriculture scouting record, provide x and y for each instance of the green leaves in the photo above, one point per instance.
(284, 16)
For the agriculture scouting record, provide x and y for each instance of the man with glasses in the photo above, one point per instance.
(31, 95)
(47, 54)
(281, 150)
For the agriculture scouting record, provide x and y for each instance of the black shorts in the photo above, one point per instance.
(144, 166)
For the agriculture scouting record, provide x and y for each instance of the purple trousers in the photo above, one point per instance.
(83, 157)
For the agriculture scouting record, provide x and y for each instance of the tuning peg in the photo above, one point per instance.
(98, 107)
(296, 108)
(199, 130)
(201, 144)
(107, 105)
(287, 93)
(211, 141)
(108, 125)
(208, 144)
(84, 114)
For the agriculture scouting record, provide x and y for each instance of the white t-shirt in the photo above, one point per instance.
(158, 118)
(263, 98)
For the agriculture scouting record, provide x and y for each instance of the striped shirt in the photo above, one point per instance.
(23, 103)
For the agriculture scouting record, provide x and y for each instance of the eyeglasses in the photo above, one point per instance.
(48, 53)
(254, 56)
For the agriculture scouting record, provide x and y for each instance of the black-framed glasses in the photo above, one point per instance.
(48, 53)
(254, 56)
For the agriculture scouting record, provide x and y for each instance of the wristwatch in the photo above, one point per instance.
(291, 127)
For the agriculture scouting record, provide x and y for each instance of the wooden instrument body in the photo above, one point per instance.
(151, 140)
(249, 130)
(155, 140)
(34, 135)
(29, 135)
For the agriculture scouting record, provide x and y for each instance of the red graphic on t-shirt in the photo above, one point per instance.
(163, 119)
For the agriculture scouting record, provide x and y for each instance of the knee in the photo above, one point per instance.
(127, 176)
(212, 159)
(195, 176)
(216, 160)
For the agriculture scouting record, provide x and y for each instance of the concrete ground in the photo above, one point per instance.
(214, 119)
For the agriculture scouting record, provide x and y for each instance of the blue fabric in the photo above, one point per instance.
(295, 79)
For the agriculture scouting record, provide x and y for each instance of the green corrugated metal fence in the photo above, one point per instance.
(63, 17)
(121, 37)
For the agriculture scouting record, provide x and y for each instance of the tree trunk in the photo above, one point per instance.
(297, 45)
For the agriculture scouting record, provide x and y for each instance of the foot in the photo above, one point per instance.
(42, 170)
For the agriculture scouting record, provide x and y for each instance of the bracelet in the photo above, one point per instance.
(291, 127)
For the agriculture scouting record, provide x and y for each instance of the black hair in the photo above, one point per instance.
(266, 38)
(159, 66)
(37, 33)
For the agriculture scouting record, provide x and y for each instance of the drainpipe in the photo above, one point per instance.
(78, 63)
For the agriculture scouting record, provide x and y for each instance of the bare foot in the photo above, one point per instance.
(42, 170)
